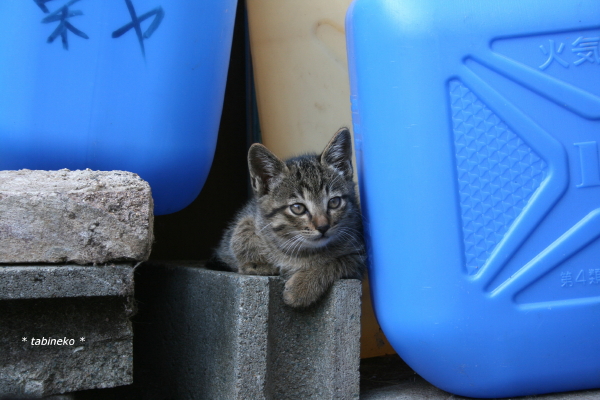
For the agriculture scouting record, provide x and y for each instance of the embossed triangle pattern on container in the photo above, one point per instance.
(497, 174)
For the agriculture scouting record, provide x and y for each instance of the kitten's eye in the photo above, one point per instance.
(334, 202)
(298, 208)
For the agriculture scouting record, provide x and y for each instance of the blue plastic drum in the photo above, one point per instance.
(477, 133)
(133, 85)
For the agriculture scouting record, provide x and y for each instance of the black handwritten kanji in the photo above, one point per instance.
(62, 15)
(42, 5)
(136, 21)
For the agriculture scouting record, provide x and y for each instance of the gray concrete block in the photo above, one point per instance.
(204, 334)
(32, 365)
(51, 281)
(315, 353)
(45, 311)
(82, 217)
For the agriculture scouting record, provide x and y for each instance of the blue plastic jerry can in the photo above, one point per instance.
(477, 133)
(132, 85)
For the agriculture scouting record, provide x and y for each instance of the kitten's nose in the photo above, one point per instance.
(323, 228)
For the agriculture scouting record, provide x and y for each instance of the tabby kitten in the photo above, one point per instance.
(303, 222)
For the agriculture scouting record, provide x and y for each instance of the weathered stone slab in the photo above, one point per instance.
(82, 217)
(95, 348)
(50, 281)
(65, 328)
(204, 334)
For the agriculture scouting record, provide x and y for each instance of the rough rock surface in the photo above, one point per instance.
(83, 217)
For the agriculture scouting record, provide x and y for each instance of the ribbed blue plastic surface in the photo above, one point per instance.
(135, 85)
(476, 131)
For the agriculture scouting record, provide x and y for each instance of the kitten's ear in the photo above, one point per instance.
(338, 153)
(264, 166)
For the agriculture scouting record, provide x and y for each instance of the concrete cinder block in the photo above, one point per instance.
(87, 307)
(315, 353)
(103, 359)
(204, 334)
(51, 281)
(82, 217)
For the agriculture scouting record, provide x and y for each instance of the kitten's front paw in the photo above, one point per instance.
(258, 269)
(300, 292)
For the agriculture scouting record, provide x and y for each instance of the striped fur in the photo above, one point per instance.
(304, 222)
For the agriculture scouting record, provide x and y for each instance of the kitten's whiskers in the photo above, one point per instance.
(297, 248)
(264, 227)
(291, 244)
(345, 232)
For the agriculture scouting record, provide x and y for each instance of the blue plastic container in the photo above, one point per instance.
(134, 85)
(477, 126)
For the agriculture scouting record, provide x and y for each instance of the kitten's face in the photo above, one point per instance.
(312, 206)
(309, 202)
